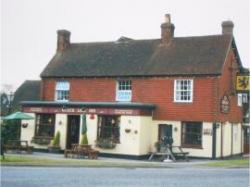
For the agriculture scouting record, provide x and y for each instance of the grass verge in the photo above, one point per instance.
(11, 160)
(234, 163)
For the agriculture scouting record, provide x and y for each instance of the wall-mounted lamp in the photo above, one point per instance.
(175, 129)
(25, 125)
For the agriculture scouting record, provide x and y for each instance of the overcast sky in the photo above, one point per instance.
(28, 27)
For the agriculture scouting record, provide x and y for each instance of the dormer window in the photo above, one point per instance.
(62, 91)
(124, 91)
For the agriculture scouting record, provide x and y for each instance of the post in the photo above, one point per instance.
(214, 142)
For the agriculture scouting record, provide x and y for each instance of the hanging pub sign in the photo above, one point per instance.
(225, 104)
(243, 83)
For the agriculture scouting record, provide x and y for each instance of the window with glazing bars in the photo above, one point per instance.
(124, 90)
(183, 91)
(62, 91)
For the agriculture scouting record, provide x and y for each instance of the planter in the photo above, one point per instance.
(105, 144)
(41, 140)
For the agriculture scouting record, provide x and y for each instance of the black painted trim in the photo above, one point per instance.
(90, 104)
(214, 141)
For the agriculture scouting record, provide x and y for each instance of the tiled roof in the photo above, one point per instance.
(202, 55)
(29, 90)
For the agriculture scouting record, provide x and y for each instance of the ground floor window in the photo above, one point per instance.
(45, 125)
(191, 134)
(109, 128)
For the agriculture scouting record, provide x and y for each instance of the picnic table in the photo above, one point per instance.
(18, 145)
(173, 152)
(81, 151)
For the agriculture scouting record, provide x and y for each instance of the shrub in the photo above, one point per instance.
(56, 140)
(84, 140)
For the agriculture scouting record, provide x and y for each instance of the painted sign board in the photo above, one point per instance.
(243, 83)
(225, 104)
(99, 111)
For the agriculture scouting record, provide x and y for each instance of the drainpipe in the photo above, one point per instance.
(214, 142)
(232, 139)
(221, 136)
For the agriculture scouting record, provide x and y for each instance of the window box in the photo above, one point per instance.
(41, 140)
(105, 143)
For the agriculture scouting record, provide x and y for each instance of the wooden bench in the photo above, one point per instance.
(81, 151)
(18, 145)
(72, 152)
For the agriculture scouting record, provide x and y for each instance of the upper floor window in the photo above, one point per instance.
(183, 91)
(62, 91)
(124, 90)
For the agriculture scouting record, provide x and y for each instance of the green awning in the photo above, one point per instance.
(18, 115)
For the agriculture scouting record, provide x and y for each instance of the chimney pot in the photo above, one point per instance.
(167, 18)
(227, 27)
(63, 40)
(167, 30)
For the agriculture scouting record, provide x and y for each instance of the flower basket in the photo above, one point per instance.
(127, 130)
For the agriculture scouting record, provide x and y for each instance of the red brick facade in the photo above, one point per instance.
(207, 94)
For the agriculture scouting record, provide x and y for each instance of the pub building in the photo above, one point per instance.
(133, 93)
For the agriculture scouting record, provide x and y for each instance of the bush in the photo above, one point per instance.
(56, 140)
(10, 130)
(84, 140)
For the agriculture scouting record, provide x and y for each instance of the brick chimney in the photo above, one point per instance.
(227, 27)
(167, 30)
(63, 40)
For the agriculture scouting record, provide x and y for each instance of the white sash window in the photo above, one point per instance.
(124, 91)
(62, 91)
(183, 90)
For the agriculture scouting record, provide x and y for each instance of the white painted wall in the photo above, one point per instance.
(91, 129)
(61, 126)
(218, 140)
(28, 132)
(144, 134)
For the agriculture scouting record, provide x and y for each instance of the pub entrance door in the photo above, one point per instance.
(73, 130)
(165, 133)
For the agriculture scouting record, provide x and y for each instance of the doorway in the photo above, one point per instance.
(165, 133)
(73, 130)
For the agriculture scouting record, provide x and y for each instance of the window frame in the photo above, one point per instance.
(38, 122)
(176, 100)
(123, 88)
(101, 128)
(64, 92)
(189, 145)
